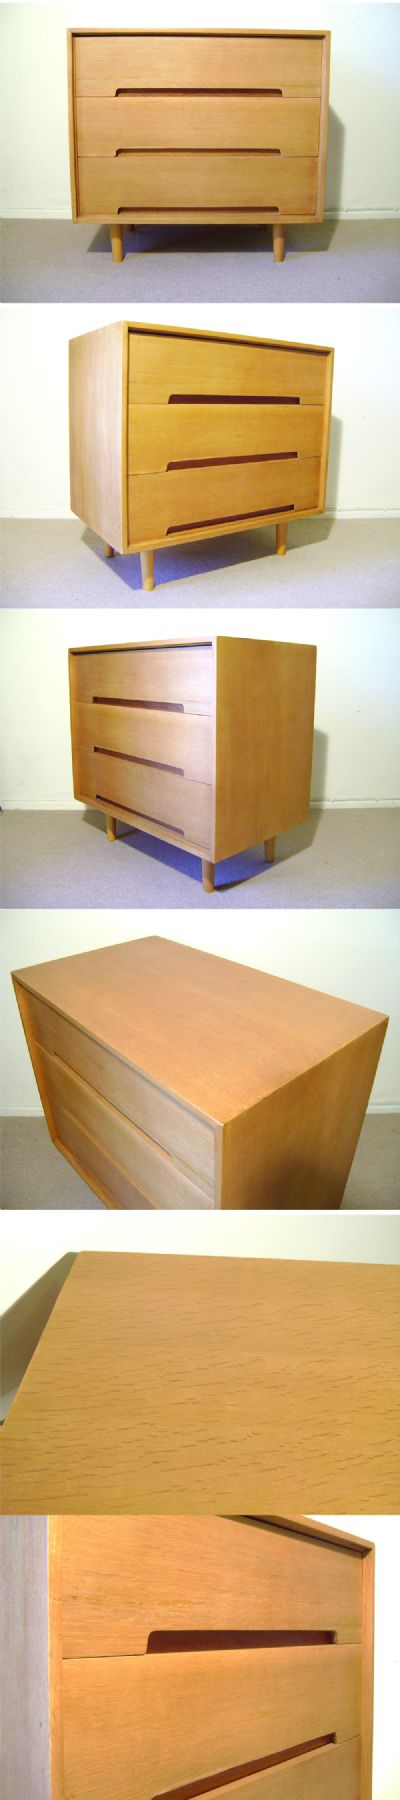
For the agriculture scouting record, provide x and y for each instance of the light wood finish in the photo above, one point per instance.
(190, 1649)
(108, 550)
(24, 1658)
(147, 568)
(220, 781)
(22, 1324)
(176, 1383)
(117, 245)
(220, 126)
(280, 1074)
(211, 432)
(208, 876)
(111, 828)
(269, 848)
(281, 540)
(278, 240)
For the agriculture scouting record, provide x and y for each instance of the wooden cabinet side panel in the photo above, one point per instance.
(367, 1711)
(98, 411)
(295, 1149)
(264, 736)
(73, 160)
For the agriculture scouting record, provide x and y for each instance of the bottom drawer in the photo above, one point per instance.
(148, 1725)
(134, 1155)
(157, 795)
(169, 180)
(95, 1165)
(200, 498)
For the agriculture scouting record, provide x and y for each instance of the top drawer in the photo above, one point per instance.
(129, 61)
(213, 1575)
(169, 367)
(168, 675)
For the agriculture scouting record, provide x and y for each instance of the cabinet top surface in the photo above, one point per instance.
(221, 337)
(114, 31)
(176, 1383)
(217, 1034)
(182, 643)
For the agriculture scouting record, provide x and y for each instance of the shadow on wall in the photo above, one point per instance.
(319, 764)
(335, 448)
(334, 164)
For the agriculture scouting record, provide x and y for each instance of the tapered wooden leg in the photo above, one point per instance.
(111, 828)
(147, 568)
(208, 877)
(278, 240)
(269, 849)
(117, 242)
(108, 550)
(281, 538)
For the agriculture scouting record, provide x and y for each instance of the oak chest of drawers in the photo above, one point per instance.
(229, 1658)
(205, 744)
(177, 435)
(198, 127)
(177, 1079)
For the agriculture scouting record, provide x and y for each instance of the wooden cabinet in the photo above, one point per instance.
(169, 1384)
(222, 1657)
(177, 1079)
(215, 127)
(205, 744)
(177, 435)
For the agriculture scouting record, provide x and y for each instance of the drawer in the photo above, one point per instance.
(163, 437)
(172, 676)
(209, 180)
(197, 121)
(106, 65)
(193, 499)
(149, 1724)
(188, 1138)
(94, 1164)
(180, 741)
(146, 1165)
(168, 366)
(212, 1575)
(148, 793)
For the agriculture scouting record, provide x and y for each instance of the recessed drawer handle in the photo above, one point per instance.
(146, 762)
(218, 462)
(211, 93)
(170, 1642)
(261, 512)
(120, 806)
(176, 210)
(212, 1783)
(234, 400)
(186, 150)
(165, 706)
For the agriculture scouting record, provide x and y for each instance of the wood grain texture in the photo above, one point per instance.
(24, 1655)
(106, 62)
(192, 179)
(255, 1704)
(161, 435)
(162, 363)
(98, 431)
(125, 1580)
(264, 739)
(197, 121)
(330, 1772)
(202, 500)
(172, 1384)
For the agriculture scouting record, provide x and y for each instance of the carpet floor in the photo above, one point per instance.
(329, 562)
(340, 858)
(35, 1175)
(345, 260)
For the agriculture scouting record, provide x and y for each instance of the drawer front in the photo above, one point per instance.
(159, 506)
(162, 366)
(209, 180)
(181, 677)
(213, 1575)
(147, 1166)
(331, 1773)
(145, 1724)
(106, 65)
(164, 437)
(180, 741)
(187, 1138)
(95, 1166)
(197, 121)
(182, 807)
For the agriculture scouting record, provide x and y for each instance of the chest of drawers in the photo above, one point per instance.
(229, 1658)
(177, 435)
(177, 1079)
(198, 127)
(204, 744)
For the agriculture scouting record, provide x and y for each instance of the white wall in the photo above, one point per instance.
(364, 138)
(364, 462)
(357, 720)
(353, 954)
(385, 1534)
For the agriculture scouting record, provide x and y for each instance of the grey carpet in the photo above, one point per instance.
(345, 260)
(339, 858)
(35, 1175)
(329, 562)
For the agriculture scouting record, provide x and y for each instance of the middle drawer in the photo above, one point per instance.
(181, 742)
(187, 1137)
(162, 438)
(106, 126)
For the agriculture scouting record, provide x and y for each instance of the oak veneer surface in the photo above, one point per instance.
(170, 1384)
(218, 1035)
